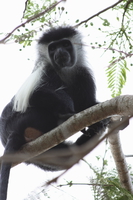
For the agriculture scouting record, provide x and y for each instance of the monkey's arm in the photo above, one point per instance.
(97, 128)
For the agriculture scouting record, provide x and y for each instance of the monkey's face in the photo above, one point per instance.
(61, 53)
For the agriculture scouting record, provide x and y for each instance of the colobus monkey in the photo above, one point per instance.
(60, 85)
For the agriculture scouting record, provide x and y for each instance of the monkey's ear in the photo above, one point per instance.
(31, 134)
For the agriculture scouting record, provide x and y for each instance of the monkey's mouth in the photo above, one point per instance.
(63, 60)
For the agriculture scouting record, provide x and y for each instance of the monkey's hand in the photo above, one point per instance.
(97, 128)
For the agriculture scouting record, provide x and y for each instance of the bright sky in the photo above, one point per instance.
(15, 68)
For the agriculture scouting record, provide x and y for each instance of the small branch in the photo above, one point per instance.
(117, 60)
(112, 49)
(29, 20)
(26, 3)
(125, 9)
(90, 184)
(97, 14)
(128, 156)
(126, 55)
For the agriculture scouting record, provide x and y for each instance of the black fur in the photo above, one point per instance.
(61, 92)
(57, 34)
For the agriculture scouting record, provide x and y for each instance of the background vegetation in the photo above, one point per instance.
(114, 25)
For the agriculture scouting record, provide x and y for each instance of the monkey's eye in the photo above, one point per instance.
(66, 43)
(52, 47)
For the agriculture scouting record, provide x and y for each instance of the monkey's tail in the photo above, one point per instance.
(14, 142)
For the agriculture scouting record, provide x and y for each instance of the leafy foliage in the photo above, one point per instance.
(115, 34)
(28, 32)
(34, 8)
(116, 75)
(25, 34)
(105, 184)
(107, 187)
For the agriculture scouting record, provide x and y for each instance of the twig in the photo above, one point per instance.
(128, 156)
(26, 3)
(91, 184)
(125, 9)
(97, 14)
(111, 49)
(29, 20)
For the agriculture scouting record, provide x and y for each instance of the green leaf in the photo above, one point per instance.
(116, 75)
(106, 22)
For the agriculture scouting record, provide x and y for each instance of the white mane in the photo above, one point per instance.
(21, 99)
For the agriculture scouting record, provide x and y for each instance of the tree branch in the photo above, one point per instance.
(26, 3)
(97, 14)
(29, 20)
(90, 145)
(119, 157)
(122, 105)
(125, 9)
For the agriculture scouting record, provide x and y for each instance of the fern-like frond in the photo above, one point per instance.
(116, 74)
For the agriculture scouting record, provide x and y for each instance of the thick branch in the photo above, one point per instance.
(119, 158)
(122, 105)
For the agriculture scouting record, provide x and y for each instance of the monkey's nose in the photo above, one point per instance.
(62, 58)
